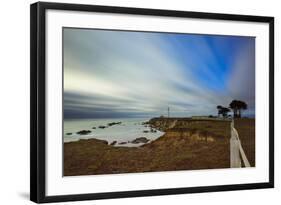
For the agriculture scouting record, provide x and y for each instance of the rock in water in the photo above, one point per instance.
(153, 130)
(113, 143)
(140, 140)
(114, 123)
(84, 132)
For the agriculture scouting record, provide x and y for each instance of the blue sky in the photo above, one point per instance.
(114, 74)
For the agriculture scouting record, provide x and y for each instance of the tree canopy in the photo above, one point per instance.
(237, 106)
(222, 110)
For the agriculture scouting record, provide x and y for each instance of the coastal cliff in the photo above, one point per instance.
(164, 124)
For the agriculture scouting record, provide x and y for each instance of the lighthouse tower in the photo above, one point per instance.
(168, 112)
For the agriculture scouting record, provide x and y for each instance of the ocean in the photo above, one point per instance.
(128, 130)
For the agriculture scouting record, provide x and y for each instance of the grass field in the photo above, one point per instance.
(246, 130)
(189, 145)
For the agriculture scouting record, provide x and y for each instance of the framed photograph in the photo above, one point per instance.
(129, 102)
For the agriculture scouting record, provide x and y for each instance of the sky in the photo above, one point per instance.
(126, 74)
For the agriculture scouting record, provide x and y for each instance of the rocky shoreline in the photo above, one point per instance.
(137, 141)
(85, 132)
(187, 146)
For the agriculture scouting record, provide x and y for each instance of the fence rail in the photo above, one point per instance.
(237, 154)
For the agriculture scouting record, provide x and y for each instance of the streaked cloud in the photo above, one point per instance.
(140, 74)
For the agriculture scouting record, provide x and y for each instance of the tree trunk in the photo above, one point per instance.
(239, 113)
(235, 113)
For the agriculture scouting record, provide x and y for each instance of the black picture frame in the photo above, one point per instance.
(38, 101)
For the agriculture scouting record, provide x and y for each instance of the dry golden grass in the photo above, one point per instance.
(246, 130)
(198, 145)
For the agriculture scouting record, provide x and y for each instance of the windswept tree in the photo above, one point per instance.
(237, 106)
(223, 111)
(219, 110)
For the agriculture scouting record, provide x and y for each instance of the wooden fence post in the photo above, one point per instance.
(235, 160)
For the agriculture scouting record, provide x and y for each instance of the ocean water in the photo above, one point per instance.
(128, 130)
